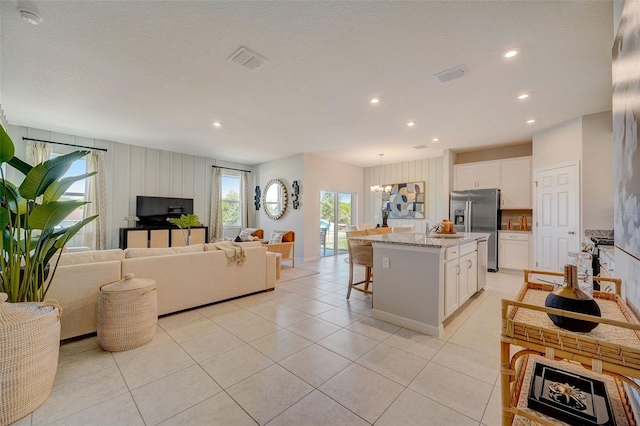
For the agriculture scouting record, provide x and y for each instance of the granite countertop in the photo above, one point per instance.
(420, 240)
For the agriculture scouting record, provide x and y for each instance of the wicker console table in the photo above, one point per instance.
(611, 349)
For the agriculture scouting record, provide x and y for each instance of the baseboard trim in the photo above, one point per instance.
(408, 323)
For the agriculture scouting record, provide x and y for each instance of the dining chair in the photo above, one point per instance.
(323, 240)
(360, 254)
(352, 228)
(379, 231)
(402, 228)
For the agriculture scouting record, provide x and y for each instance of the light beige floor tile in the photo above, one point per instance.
(74, 346)
(172, 394)
(170, 321)
(120, 410)
(218, 309)
(399, 366)
(457, 391)
(348, 344)
(467, 361)
(160, 342)
(340, 317)
(317, 409)
(76, 395)
(362, 391)
(25, 421)
(268, 393)
(233, 318)
(280, 344)
(333, 299)
(411, 409)
(310, 292)
(315, 364)
(286, 317)
(415, 343)
(313, 307)
(143, 370)
(493, 412)
(83, 363)
(250, 301)
(253, 329)
(471, 339)
(373, 328)
(212, 344)
(449, 330)
(192, 330)
(291, 299)
(334, 286)
(235, 365)
(267, 307)
(359, 306)
(219, 409)
(314, 329)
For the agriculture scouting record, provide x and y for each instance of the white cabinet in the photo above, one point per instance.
(511, 176)
(515, 183)
(476, 176)
(513, 250)
(460, 276)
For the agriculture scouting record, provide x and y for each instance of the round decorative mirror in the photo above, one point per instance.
(275, 199)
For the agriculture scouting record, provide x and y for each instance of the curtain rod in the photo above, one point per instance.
(65, 144)
(231, 168)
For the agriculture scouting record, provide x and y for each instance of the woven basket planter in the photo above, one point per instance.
(29, 345)
(127, 313)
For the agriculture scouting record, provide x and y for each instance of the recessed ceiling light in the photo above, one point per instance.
(523, 96)
(531, 121)
(435, 140)
(510, 53)
(411, 123)
(31, 17)
(374, 100)
(217, 124)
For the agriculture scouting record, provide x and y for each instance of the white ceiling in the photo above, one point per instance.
(155, 73)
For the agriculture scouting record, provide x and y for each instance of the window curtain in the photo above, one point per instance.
(245, 200)
(215, 221)
(37, 152)
(94, 234)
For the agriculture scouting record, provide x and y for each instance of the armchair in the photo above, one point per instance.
(286, 248)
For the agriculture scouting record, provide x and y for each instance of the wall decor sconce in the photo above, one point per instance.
(294, 196)
(256, 198)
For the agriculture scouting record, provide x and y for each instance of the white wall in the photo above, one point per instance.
(314, 174)
(597, 171)
(133, 170)
(557, 145)
(428, 169)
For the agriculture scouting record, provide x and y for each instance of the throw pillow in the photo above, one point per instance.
(245, 235)
(238, 239)
(276, 238)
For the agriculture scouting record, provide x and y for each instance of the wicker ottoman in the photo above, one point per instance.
(127, 313)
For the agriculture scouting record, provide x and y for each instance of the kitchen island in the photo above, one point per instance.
(419, 281)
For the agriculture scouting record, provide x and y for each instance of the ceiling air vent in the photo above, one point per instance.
(423, 146)
(247, 58)
(450, 74)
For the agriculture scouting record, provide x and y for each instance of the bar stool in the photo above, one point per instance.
(361, 254)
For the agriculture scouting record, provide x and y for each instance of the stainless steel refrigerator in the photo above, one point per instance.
(478, 210)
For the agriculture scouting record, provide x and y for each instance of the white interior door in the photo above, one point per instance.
(557, 215)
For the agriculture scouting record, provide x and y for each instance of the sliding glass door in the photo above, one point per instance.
(335, 216)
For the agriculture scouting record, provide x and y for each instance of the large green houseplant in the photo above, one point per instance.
(30, 215)
(185, 221)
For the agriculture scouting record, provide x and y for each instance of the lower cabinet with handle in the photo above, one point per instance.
(513, 250)
(460, 276)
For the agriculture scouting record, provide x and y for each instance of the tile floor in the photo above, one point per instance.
(300, 355)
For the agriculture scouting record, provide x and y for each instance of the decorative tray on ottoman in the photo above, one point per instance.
(570, 397)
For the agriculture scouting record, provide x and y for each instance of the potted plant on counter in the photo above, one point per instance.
(30, 215)
(185, 221)
(385, 215)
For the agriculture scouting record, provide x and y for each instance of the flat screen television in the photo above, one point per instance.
(154, 211)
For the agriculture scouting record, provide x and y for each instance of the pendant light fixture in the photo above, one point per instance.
(380, 189)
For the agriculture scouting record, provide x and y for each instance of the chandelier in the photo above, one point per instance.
(380, 189)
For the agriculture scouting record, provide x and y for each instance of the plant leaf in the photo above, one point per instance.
(50, 215)
(58, 188)
(44, 174)
(7, 149)
(20, 165)
(4, 218)
(17, 204)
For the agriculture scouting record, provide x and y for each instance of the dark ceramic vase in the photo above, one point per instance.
(589, 307)
(384, 222)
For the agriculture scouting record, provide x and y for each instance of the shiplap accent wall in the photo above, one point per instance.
(133, 170)
(429, 170)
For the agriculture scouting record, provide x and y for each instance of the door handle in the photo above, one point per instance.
(571, 232)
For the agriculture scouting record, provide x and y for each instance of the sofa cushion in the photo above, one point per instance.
(247, 234)
(287, 236)
(276, 238)
(147, 252)
(245, 244)
(92, 256)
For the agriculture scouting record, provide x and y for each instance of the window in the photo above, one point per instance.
(231, 189)
(77, 191)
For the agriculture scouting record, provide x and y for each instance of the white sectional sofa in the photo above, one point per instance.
(186, 277)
